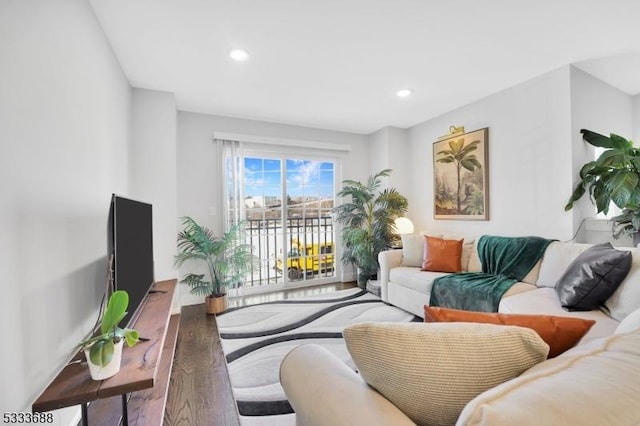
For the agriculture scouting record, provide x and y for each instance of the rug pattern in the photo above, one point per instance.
(256, 338)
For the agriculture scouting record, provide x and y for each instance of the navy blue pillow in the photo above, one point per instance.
(593, 277)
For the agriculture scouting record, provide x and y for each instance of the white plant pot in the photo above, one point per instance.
(99, 372)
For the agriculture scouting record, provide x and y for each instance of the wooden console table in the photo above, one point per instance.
(144, 374)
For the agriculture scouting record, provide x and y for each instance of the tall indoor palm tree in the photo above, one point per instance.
(367, 220)
(460, 155)
(227, 259)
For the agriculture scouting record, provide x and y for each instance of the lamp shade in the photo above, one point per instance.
(403, 226)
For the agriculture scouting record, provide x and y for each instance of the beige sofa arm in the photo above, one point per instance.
(387, 259)
(324, 391)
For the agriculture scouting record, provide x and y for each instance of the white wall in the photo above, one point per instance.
(198, 162)
(154, 172)
(599, 107)
(530, 173)
(64, 138)
(378, 143)
(636, 119)
(389, 149)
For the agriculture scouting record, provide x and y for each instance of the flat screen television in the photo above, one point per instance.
(131, 244)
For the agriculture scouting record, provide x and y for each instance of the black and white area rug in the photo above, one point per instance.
(256, 338)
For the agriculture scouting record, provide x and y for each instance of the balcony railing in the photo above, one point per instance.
(307, 253)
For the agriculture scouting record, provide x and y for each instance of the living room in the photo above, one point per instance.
(77, 127)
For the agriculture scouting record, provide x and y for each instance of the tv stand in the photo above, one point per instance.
(138, 392)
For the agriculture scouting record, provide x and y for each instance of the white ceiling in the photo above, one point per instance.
(336, 64)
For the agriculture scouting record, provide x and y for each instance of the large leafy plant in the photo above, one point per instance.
(102, 346)
(612, 178)
(227, 258)
(367, 221)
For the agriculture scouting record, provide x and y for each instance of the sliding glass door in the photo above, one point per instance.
(287, 209)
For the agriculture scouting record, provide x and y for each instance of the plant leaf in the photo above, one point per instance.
(132, 336)
(619, 142)
(116, 310)
(577, 194)
(101, 352)
(471, 164)
(445, 160)
(596, 139)
(471, 147)
(601, 197)
(622, 186)
(635, 222)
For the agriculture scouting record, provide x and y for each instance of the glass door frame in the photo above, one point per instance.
(285, 282)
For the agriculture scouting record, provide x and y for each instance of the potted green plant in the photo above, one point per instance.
(227, 260)
(367, 222)
(104, 351)
(614, 177)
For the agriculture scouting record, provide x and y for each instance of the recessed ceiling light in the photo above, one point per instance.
(404, 93)
(239, 55)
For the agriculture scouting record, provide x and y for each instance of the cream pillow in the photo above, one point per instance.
(597, 383)
(431, 371)
(468, 246)
(474, 260)
(412, 250)
(630, 323)
(476, 266)
(626, 298)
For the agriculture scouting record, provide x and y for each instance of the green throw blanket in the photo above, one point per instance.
(505, 261)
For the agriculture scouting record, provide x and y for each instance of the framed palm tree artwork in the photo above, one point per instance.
(461, 176)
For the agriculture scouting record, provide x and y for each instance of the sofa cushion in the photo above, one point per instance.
(555, 261)
(593, 384)
(518, 288)
(626, 298)
(630, 323)
(544, 301)
(474, 260)
(532, 275)
(442, 255)
(412, 250)
(476, 266)
(414, 278)
(430, 371)
(468, 246)
(560, 333)
(593, 277)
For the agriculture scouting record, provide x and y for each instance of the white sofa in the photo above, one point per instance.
(404, 285)
(595, 383)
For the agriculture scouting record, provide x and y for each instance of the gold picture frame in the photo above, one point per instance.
(461, 176)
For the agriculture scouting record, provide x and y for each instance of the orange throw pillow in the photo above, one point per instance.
(560, 333)
(442, 255)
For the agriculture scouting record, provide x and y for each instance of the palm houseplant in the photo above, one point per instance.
(227, 260)
(614, 177)
(104, 351)
(367, 220)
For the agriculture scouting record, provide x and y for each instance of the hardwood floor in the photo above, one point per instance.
(199, 389)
